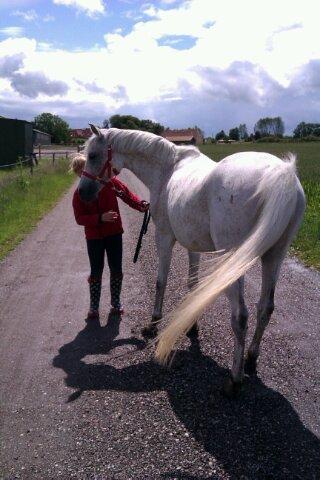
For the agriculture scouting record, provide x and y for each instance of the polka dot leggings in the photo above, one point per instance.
(97, 248)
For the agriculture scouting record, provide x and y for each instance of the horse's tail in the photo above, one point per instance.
(276, 194)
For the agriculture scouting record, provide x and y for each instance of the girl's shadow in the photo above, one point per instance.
(92, 340)
(258, 436)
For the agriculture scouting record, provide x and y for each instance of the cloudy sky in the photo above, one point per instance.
(182, 63)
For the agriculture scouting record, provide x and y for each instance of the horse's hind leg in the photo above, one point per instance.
(194, 260)
(164, 243)
(239, 318)
(271, 263)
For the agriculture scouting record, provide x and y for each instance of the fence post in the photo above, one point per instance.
(31, 164)
(53, 157)
(39, 152)
(67, 155)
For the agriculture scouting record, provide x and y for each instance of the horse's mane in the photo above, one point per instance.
(184, 151)
(140, 143)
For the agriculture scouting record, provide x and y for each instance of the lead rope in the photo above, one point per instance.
(143, 231)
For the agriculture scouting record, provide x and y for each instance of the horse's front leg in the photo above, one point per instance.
(164, 243)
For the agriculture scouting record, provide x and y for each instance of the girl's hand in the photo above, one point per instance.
(144, 206)
(110, 216)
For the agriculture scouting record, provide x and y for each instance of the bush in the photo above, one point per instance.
(269, 139)
(309, 138)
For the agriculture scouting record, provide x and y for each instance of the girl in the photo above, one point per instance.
(103, 229)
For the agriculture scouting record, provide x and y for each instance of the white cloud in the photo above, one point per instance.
(28, 16)
(33, 84)
(48, 18)
(29, 84)
(90, 7)
(12, 31)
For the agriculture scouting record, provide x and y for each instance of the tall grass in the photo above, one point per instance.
(307, 243)
(25, 198)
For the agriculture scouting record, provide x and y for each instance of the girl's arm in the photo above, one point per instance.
(130, 198)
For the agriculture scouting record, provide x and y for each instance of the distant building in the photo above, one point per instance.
(80, 133)
(41, 138)
(226, 140)
(187, 136)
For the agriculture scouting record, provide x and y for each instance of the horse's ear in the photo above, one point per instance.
(95, 130)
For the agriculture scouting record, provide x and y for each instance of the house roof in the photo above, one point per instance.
(179, 138)
(81, 132)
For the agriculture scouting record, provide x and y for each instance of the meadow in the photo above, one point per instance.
(307, 243)
(25, 198)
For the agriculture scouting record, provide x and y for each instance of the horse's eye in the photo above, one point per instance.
(92, 156)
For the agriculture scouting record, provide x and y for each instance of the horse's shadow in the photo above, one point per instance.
(258, 436)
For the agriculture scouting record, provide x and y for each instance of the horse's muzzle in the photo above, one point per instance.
(88, 191)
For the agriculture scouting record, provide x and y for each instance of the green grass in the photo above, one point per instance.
(307, 244)
(24, 199)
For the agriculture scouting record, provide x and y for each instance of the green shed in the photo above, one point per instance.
(16, 140)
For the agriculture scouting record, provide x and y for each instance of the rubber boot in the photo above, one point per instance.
(115, 291)
(95, 294)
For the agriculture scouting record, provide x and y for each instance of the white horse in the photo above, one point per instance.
(249, 205)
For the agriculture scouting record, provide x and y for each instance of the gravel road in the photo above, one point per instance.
(70, 409)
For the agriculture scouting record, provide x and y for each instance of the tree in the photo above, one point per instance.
(257, 135)
(133, 123)
(221, 135)
(234, 134)
(54, 125)
(243, 132)
(270, 126)
(106, 123)
(306, 129)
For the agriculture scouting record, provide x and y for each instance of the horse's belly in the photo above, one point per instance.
(196, 243)
(190, 232)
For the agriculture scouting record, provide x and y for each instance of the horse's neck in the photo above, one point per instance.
(152, 174)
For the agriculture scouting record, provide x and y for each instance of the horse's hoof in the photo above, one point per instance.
(150, 331)
(232, 389)
(193, 332)
(250, 365)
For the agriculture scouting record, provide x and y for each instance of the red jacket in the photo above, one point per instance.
(88, 214)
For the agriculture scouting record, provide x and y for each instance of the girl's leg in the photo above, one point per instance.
(96, 257)
(113, 246)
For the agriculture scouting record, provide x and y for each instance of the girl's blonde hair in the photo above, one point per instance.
(77, 163)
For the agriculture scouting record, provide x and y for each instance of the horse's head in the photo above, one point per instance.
(96, 159)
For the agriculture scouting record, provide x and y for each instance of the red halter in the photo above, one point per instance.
(107, 166)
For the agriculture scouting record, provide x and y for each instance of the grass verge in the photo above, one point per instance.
(307, 243)
(24, 199)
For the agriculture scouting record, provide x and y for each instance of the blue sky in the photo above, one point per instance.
(72, 27)
(179, 62)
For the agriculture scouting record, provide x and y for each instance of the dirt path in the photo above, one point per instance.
(68, 410)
